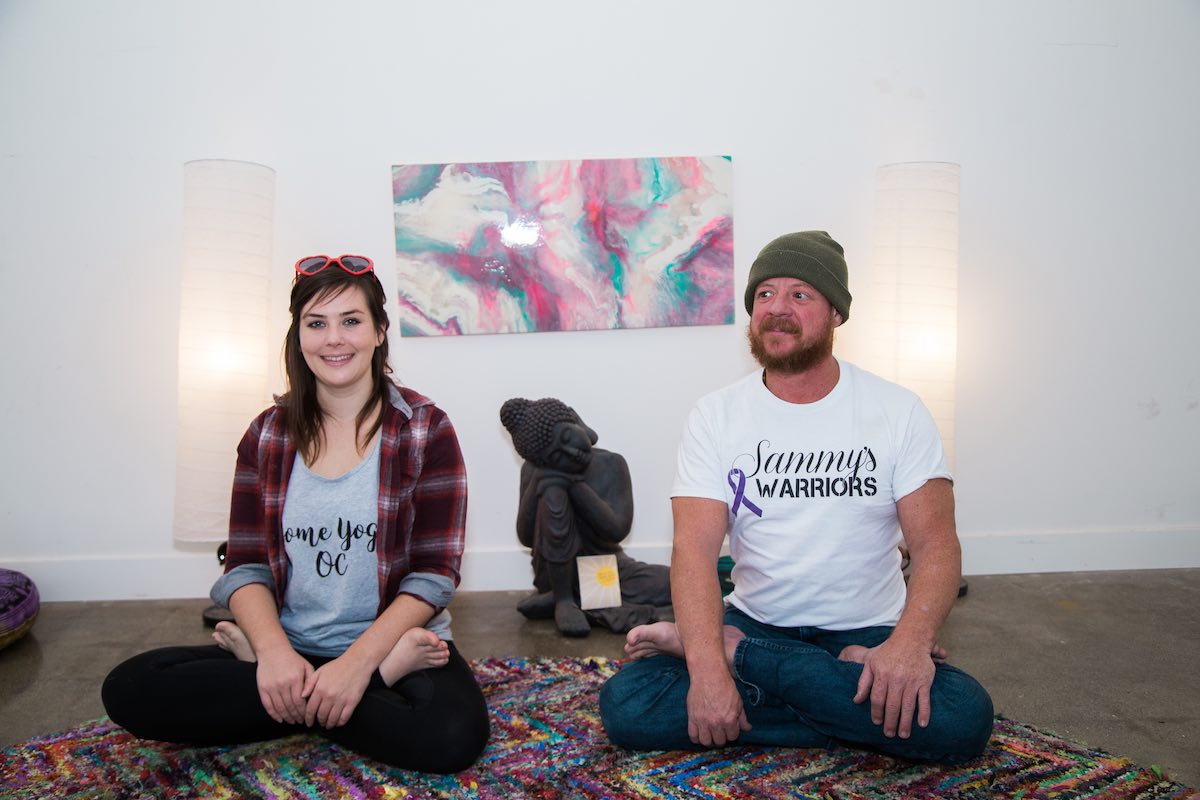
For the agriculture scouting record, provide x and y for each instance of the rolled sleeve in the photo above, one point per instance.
(236, 578)
(436, 590)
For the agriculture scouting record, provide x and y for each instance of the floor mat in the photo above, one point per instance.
(547, 743)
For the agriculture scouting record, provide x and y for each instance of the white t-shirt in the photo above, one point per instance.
(811, 490)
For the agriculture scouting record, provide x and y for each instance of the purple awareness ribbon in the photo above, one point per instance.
(739, 493)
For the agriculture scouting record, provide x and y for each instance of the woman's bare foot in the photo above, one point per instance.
(654, 639)
(230, 637)
(417, 649)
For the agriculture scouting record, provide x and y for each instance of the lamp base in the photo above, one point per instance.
(214, 614)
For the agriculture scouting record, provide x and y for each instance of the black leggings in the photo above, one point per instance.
(432, 720)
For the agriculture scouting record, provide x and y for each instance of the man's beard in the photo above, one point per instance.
(798, 359)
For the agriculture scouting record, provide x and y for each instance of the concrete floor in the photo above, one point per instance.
(1110, 659)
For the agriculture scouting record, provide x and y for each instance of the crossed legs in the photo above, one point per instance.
(431, 719)
(417, 649)
(797, 688)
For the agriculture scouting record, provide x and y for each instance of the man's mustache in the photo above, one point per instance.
(782, 325)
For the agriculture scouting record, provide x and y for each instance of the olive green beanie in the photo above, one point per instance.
(810, 256)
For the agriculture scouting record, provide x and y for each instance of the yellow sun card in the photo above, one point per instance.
(599, 584)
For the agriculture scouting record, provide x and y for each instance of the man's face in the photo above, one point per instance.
(791, 325)
(570, 450)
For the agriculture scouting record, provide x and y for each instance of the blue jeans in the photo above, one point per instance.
(796, 694)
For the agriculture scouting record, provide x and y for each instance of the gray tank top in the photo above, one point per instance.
(329, 527)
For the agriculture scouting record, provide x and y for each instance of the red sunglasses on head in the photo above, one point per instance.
(355, 265)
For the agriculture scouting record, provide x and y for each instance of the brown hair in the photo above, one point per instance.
(301, 409)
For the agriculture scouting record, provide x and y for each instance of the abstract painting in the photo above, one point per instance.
(592, 244)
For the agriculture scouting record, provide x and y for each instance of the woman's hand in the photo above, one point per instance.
(282, 675)
(333, 691)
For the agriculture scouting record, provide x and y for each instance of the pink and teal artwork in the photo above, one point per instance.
(593, 244)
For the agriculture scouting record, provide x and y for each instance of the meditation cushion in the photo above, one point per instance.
(19, 604)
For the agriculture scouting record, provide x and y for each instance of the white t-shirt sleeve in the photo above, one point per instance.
(919, 453)
(698, 465)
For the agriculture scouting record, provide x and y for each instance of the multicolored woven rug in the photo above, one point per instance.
(547, 743)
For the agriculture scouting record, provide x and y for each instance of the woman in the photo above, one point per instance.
(345, 537)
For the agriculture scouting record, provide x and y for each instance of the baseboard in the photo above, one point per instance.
(508, 569)
(175, 575)
(178, 575)
(1081, 551)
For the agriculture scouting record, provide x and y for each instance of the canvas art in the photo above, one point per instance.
(594, 244)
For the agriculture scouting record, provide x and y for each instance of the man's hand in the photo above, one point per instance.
(715, 713)
(333, 692)
(896, 677)
(281, 675)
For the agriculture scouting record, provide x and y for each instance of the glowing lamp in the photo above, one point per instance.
(228, 225)
(915, 285)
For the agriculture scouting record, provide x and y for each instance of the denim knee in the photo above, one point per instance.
(977, 715)
(644, 706)
(966, 718)
(617, 714)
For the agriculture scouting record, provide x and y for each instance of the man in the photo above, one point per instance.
(818, 471)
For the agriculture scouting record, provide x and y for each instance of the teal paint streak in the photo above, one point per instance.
(409, 243)
(415, 181)
(657, 183)
(618, 274)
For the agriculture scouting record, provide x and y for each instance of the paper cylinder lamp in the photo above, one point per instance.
(915, 284)
(223, 320)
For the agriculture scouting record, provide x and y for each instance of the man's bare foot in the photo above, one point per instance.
(858, 654)
(655, 639)
(417, 649)
(732, 636)
(854, 652)
(230, 637)
(662, 639)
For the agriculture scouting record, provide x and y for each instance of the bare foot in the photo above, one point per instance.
(655, 639)
(417, 649)
(732, 636)
(858, 654)
(230, 637)
(854, 652)
(662, 639)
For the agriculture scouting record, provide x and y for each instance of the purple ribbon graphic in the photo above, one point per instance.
(739, 493)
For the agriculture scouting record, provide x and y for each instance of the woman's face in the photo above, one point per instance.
(338, 339)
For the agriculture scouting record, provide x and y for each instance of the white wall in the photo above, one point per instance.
(1075, 123)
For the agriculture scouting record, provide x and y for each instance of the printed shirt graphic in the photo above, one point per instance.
(329, 527)
(811, 491)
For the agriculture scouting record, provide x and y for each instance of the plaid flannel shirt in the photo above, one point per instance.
(422, 498)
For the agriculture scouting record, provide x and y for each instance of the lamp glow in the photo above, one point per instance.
(915, 284)
(228, 228)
